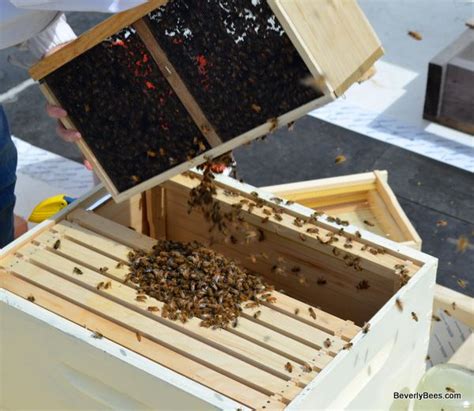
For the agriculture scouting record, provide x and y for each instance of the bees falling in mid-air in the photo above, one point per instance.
(399, 304)
(414, 316)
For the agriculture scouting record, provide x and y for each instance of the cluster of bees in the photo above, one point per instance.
(195, 281)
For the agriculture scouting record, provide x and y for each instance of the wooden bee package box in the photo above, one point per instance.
(364, 200)
(345, 325)
(157, 89)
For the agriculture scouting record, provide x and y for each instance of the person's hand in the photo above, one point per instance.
(58, 113)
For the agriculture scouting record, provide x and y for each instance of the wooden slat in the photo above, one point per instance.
(396, 210)
(346, 329)
(177, 83)
(333, 37)
(83, 146)
(92, 38)
(170, 337)
(273, 341)
(147, 347)
(383, 218)
(362, 180)
(156, 212)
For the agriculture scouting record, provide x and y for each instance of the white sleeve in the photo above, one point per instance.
(58, 32)
(106, 6)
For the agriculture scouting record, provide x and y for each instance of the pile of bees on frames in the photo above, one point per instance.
(195, 281)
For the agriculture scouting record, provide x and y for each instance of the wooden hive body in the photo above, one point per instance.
(192, 367)
(156, 90)
(365, 200)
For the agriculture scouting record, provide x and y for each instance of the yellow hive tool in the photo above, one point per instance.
(49, 207)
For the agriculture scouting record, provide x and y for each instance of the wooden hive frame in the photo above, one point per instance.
(356, 198)
(333, 38)
(246, 364)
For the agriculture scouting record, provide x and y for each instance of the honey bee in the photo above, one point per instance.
(306, 367)
(256, 108)
(453, 305)
(135, 179)
(364, 247)
(435, 318)
(271, 300)
(97, 335)
(235, 322)
(369, 223)
(302, 237)
(427, 358)
(108, 285)
(312, 230)
(100, 285)
(31, 298)
(298, 222)
(462, 283)
(291, 126)
(140, 298)
(253, 258)
(289, 367)
(414, 316)
(358, 234)
(399, 304)
(347, 346)
(103, 270)
(267, 211)
(139, 336)
(450, 389)
(265, 220)
(289, 202)
(77, 271)
(327, 343)
(273, 124)
(120, 264)
(336, 252)
(415, 35)
(257, 314)
(297, 311)
(447, 313)
(57, 244)
(312, 313)
(152, 153)
(366, 328)
(277, 217)
(251, 304)
(363, 285)
(340, 159)
(321, 281)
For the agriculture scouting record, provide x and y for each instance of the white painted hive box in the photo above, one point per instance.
(50, 353)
